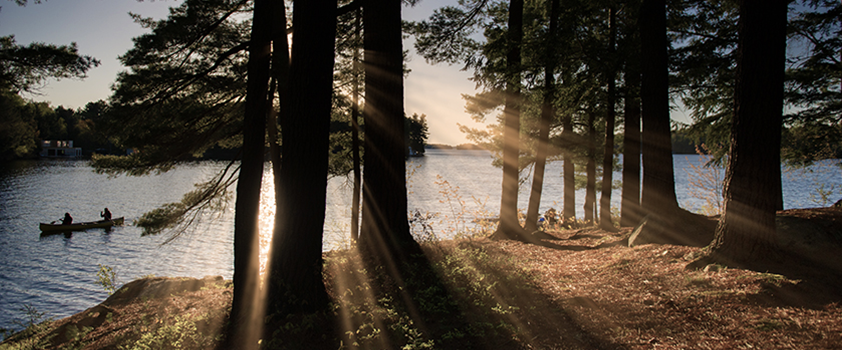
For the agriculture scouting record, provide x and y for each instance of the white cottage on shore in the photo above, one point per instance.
(60, 148)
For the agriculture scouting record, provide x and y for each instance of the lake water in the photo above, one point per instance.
(57, 274)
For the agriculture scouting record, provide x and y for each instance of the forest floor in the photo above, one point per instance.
(576, 290)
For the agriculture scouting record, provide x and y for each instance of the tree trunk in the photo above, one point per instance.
(630, 206)
(658, 195)
(273, 135)
(605, 220)
(745, 235)
(355, 135)
(509, 227)
(590, 169)
(280, 71)
(296, 283)
(569, 170)
(385, 229)
(547, 113)
(244, 309)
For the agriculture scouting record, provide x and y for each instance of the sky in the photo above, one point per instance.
(104, 30)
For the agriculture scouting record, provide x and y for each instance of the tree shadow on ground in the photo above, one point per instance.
(806, 261)
(470, 295)
(540, 238)
(813, 293)
(811, 282)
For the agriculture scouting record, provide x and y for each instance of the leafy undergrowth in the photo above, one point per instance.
(565, 294)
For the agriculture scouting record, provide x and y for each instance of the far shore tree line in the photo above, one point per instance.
(575, 81)
(25, 123)
(23, 70)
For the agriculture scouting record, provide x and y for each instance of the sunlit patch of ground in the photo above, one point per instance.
(566, 294)
(644, 298)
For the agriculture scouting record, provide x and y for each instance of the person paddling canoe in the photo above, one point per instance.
(105, 214)
(67, 219)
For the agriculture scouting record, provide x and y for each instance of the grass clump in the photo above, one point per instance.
(173, 332)
(36, 323)
(458, 297)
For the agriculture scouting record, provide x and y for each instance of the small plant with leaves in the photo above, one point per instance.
(420, 225)
(483, 227)
(35, 323)
(107, 278)
(821, 177)
(179, 332)
(707, 182)
(450, 195)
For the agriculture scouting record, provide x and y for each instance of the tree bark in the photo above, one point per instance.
(280, 71)
(355, 135)
(745, 235)
(630, 205)
(590, 169)
(296, 283)
(658, 195)
(605, 220)
(244, 309)
(547, 113)
(509, 226)
(569, 170)
(385, 229)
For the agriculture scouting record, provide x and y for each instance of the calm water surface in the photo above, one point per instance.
(57, 274)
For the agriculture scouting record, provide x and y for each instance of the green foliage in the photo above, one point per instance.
(811, 139)
(469, 270)
(580, 60)
(26, 339)
(465, 305)
(23, 124)
(449, 34)
(26, 68)
(340, 162)
(417, 133)
(18, 130)
(132, 164)
(703, 62)
(704, 36)
(211, 196)
(107, 278)
(185, 88)
(815, 80)
(75, 336)
(769, 324)
(178, 332)
(85, 130)
(774, 279)
(402, 326)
